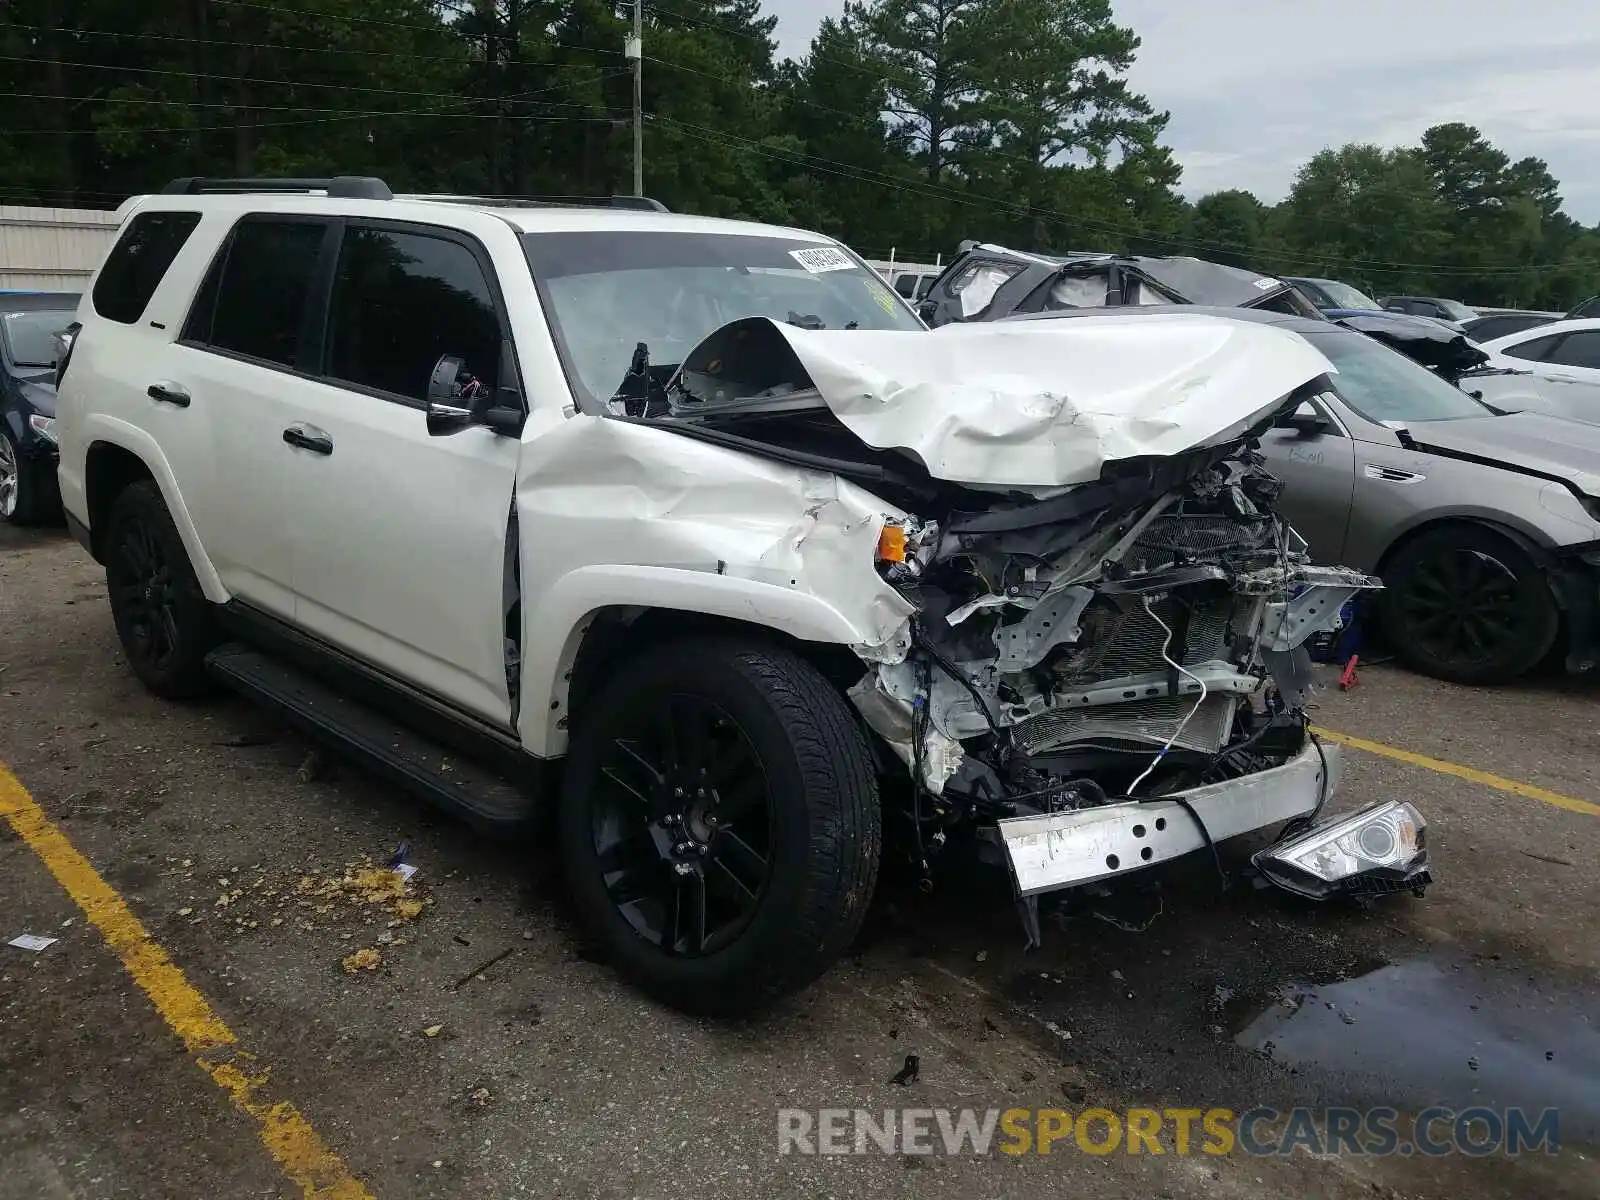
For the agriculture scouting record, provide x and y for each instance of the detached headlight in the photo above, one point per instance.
(1379, 849)
(45, 427)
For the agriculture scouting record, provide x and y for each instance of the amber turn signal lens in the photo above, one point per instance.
(892, 544)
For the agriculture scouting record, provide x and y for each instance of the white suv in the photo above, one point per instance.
(700, 512)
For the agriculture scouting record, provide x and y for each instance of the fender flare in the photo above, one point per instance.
(100, 429)
(555, 623)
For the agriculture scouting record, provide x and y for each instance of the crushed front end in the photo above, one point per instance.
(1115, 676)
(1104, 665)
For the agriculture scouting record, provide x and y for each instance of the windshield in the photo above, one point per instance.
(605, 293)
(1345, 296)
(1383, 385)
(1455, 311)
(29, 336)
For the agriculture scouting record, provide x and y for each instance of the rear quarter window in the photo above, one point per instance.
(138, 262)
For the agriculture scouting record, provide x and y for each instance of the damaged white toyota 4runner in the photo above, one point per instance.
(691, 529)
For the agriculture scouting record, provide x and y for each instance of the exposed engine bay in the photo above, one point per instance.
(1101, 672)
(1122, 651)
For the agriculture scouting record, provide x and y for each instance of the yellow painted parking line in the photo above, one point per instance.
(304, 1157)
(1471, 774)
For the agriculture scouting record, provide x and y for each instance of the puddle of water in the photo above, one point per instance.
(1412, 1034)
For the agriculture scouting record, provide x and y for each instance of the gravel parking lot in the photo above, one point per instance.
(426, 1072)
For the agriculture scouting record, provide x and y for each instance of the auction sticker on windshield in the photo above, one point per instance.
(818, 259)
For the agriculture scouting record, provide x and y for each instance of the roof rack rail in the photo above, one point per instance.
(339, 187)
(638, 203)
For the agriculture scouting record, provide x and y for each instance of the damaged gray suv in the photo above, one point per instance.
(689, 530)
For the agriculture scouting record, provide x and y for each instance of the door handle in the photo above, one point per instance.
(1392, 474)
(308, 439)
(168, 393)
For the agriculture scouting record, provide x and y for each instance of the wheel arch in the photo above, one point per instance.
(1515, 536)
(594, 621)
(110, 465)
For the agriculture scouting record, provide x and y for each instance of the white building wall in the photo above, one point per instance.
(52, 249)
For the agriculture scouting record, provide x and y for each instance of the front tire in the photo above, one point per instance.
(1467, 605)
(719, 823)
(163, 618)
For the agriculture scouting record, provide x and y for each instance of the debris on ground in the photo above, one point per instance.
(367, 959)
(312, 767)
(31, 941)
(478, 971)
(433, 1031)
(907, 1074)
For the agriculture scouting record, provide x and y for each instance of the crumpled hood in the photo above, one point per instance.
(1529, 442)
(1048, 404)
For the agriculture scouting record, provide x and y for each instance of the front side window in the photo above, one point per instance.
(134, 268)
(1342, 295)
(978, 284)
(256, 299)
(606, 292)
(1076, 291)
(1384, 385)
(401, 302)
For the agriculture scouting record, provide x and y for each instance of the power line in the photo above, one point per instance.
(224, 42)
(436, 30)
(291, 83)
(332, 113)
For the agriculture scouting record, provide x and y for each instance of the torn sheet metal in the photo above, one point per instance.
(1048, 404)
(889, 716)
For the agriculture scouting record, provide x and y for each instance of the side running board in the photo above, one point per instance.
(374, 741)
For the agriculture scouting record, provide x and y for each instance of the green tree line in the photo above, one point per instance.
(908, 125)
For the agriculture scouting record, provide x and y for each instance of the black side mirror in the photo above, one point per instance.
(458, 399)
(1307, 420)
(449, 411)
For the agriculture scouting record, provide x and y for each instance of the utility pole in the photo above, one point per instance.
(633, 48)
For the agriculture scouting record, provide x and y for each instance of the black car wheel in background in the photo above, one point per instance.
(20, 502)
(1462, 603)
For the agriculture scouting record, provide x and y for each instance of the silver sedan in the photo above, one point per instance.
(1484, 526)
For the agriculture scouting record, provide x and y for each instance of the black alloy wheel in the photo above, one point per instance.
(163, 619)
(1465, 604)
(682, 823)
(719, 822)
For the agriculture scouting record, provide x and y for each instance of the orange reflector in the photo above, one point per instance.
(892, 544)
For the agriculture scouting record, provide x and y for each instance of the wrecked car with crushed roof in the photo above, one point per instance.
(987, 282)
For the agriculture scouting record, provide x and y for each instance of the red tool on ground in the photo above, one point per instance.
(1348, 677)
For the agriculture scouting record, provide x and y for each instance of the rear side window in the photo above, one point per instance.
(1535, 351)
(259, 292)
(1581, 349)
(402, 301)
(134, 268)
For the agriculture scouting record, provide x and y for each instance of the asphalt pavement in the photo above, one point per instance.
(241, 1000)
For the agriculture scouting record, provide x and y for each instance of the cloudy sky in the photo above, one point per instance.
(1255, 87)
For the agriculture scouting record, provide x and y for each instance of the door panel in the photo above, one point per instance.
(240, 517)
(400, 537)
(1318, 473)
(399, 541)
(250, 317)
